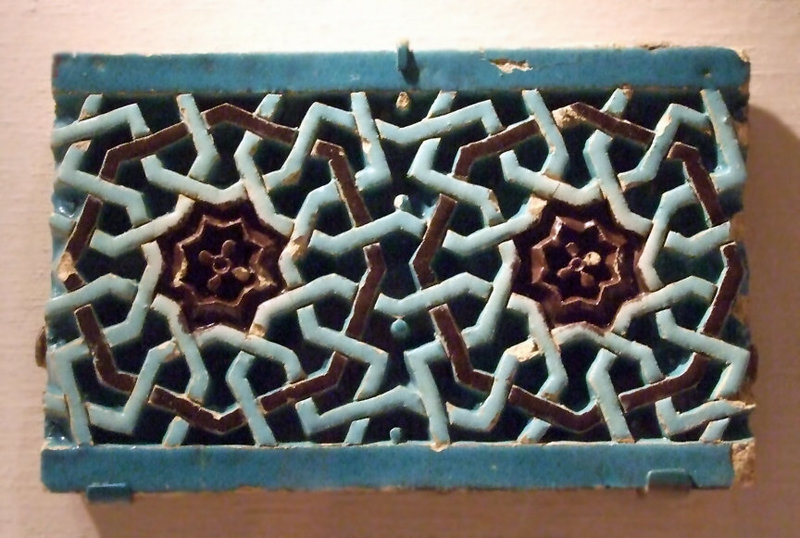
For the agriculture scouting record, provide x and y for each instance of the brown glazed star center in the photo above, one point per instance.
(579, 264)
(220, 264)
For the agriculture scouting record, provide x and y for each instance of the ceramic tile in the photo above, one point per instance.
(506, 269)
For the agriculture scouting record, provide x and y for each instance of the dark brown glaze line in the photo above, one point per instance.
(344, 176)
(667, 387)
(432, 240)
(104, 363)
(727, 291)
(700, 180)
(76, 242)
(492, 145)
(228, 113)
(720, 308)
(368, 293)
(456, 350)
(83, 229)
(552, 412)
(140, 147)
(195, 414)
(612, 124)
(73, 281)
(306, 388)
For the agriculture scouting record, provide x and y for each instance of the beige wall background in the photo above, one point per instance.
(769, 31)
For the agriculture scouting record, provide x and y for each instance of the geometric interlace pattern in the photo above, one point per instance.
(354, 268)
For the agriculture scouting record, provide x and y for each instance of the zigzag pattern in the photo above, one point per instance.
(386, 276)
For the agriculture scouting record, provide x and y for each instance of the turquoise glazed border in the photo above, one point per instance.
(462, 465)
(577, 69)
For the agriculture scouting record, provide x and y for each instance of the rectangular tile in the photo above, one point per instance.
(489, 266)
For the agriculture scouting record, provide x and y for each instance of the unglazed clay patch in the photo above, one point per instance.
(444, 271)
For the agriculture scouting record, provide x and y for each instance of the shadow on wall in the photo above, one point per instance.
(772, 234)
(772, 199)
